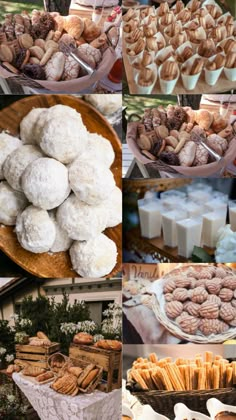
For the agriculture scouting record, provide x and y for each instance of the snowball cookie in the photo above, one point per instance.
(94, 258)
(7, 145)
(113, 206)
(62, 241)
(91, 182)
(99, 149)
(63, 138)
(45, 183)
(106, 104)
(80, 220)
(16, 163)
(35, 230)
(11, 203)
(27, 126)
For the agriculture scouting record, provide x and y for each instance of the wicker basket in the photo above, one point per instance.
(93, 385)
(158, 309)
(163, 402)
(57, 358)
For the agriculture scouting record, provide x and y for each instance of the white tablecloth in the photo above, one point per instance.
(53, 406)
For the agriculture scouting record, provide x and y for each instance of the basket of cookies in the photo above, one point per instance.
(180, 48)
(161, 383)
(54, 52)
(57, 361)
(197, 303)
(180, 140)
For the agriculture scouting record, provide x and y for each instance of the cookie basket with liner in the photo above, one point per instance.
(158, 306)
(90, 78)
(163, 401)
(215, 168)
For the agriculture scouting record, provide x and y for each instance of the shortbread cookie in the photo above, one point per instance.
(27, 126)
(17, 162)
(95, 258)
(7, 145)
(55, 66)
(99, 149)
(35, 230)
(62, 241)
(11, 203)
(45, 183)
(113, 205)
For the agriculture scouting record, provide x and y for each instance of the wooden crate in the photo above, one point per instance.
(36, 355)
(110, 360)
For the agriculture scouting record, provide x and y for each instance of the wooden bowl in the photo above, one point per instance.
(57, 265)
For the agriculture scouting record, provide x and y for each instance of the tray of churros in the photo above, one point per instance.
(197, 303)
(180, 48)
(161, 383)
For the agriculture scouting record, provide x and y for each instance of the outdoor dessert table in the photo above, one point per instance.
(51, 405)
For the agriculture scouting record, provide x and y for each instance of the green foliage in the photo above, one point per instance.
(12, 407)
(47, 315)
(18, 6)
(7, 336)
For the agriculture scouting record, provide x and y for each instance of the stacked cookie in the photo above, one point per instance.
(37, 47)
(202, 302)
(173, 135)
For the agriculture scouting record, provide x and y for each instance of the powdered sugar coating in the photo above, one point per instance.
(45, 183)
(62, 241)
(91, 183)
(35, 230)
(27, 126)
(17, 162)
(95, 258)
(7, 145)
(63, 139)
(113, 206)
(11, 204)
(61, 111)
(80, 220)
(99, 149)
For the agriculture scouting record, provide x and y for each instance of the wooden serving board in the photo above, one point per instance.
(57, 265)
(222, 85)
(33, 380)
(27, 348)
(134, 240)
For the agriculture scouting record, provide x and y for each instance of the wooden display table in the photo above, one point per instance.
(134, 241)
(223, 84)
(36, 355)
(109, 360)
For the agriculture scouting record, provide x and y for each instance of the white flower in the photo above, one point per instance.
(98, 337)
(9, 358)
(24, 322)
(14, 316)
(2, 351)
(87, 326)
(11, 398)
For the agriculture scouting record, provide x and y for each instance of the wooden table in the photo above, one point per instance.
(134, 240)
(223, 84)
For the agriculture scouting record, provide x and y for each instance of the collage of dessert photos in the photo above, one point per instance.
(118, 210)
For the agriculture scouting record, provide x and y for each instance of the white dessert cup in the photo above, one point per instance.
(181, 48)
(133, 58)
(126, 411)
(162, 54)
(214, 406)
(183, 412)
(230, 74)
(211, 76)
(144, 90)
(150, 414)
(190, 81)
(167, 86)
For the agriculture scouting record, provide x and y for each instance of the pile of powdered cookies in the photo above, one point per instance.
(203, 301)
(58, 190)
(182, 42)
(173, 134)
(34, 45)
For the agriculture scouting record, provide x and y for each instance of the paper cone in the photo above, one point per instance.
(167, 86)
(162, 54)
(211, 76)
(230, 74)
(190, 82)
(133, 58)
(145, 90)
(180, 50)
